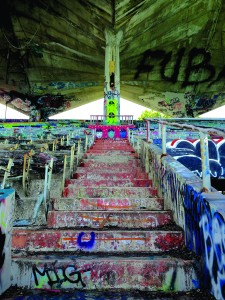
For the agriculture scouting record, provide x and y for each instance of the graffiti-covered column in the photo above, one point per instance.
(7, 202)
(118, 39)
(112, 78)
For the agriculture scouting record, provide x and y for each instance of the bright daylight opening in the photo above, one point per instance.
(96, 108)
(9, 113)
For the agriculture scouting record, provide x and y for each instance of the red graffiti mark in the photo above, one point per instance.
(85, 203)
(165, 242)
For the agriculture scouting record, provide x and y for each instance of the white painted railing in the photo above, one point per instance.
(203, 135)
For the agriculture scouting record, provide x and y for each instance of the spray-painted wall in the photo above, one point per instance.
(201, 215)
(188, 153)
(7, 198)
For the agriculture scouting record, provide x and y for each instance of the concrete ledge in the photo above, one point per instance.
(99, 219)
(96, 273)
(108, 204)
(104, 241)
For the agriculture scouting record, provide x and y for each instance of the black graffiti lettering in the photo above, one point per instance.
(2, 245)
(143, 66)
(164, 63)
(72, 276)
(193, 67)
(198, 61)
(48, 271)
(219, 77)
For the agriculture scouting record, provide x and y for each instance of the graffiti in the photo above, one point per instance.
(39, 107)
(2, 245)
(204, 226)
(85, 240)
(171, 104)
(144, 82)
(59, 85)
(198, 61)
(205, 236)
(188, 153)
(57, 275)
(213, 233)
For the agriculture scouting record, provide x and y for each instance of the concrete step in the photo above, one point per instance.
(112, 219)
(94, 151)
(109, 148)
(109, 175)
(34, 240)
(112, 169)
(115, 163)
(13, 293)
(109, 182)
(108, 204)
(103, 154)
(151, 273)
(83, 173)
(24, 210)
(109, 192)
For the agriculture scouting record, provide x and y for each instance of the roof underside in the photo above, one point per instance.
(52, 53)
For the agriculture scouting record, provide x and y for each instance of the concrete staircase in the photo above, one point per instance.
(109, 232)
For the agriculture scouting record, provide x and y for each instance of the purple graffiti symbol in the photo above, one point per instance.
(86, 244)
(2, 244)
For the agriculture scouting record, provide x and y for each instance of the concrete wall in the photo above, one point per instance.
(7, 198)
(200, 214)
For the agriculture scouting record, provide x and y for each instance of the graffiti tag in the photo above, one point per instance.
(2, 244)
(57, 275)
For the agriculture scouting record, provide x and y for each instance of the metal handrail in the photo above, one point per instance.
(203, 135)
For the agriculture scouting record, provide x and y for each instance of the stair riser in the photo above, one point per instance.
(104, 175)
(96, 164)
(112, 148)
(113, 170)
(98, 219)
(103, 274)
(109, 183)
(94, 151)
(94, 242)
(109, 192)
(108, 204)
(105, 155)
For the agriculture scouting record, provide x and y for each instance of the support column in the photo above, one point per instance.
(118, 39)
(112, 78)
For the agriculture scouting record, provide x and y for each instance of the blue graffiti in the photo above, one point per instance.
(188, 153)
(86, 244)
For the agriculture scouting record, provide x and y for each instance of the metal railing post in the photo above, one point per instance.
(163, 135)
(148, 131)
(138, 147)
(7, 172)
(64, 174)
(72, 159)
(86, 143)
(205, 161)
(78, 151)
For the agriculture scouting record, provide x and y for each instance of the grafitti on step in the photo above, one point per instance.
(86, 240)
(55, 276)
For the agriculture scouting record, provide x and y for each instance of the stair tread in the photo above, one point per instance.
(103, 243)
(104, 295)
(114, 258)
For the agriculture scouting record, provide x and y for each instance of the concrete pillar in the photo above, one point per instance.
(112, 77)
(7, 202)
(118, 39)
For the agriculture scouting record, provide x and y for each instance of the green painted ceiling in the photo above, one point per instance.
(171, 54)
